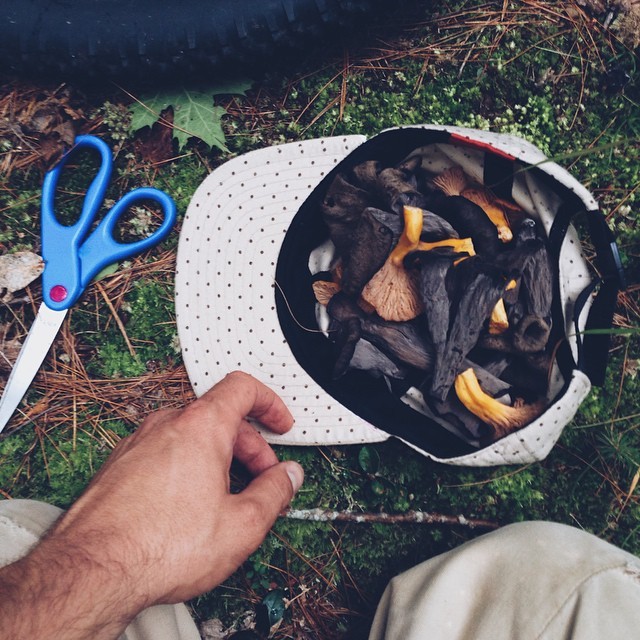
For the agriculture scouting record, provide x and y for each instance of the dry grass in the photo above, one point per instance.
(66, 387)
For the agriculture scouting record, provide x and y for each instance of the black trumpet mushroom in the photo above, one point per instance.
(469, 220)
(366, 174)
(399, 341)
(530, 307)
(434, 266)
(368, 251)
(477, 287)
(399, 188)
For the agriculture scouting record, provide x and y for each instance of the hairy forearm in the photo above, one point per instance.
(61, 590)
(157, 524)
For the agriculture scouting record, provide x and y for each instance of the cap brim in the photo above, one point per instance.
(225, 283)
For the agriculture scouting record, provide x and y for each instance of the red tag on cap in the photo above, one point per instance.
(478, 144)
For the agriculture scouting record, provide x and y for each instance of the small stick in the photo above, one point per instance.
(116, 317)
(414, 517)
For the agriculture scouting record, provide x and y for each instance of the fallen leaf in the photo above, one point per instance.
(155, 144)
(200, 119)
(41, 121)
(67, 132)
(51, 149)
(17, 270)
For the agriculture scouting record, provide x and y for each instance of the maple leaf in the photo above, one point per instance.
(194, 113)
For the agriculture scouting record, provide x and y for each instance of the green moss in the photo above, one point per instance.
(148, 319)
(55, 467)
(20, 206)
(180, 180)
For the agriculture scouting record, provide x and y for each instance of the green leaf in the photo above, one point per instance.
(201, 119)
(142, 116)
(275, 606)
(194, 114)
(369, 460)
(107, 271)
(237, 88)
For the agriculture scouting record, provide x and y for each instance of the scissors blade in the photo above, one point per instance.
(34, 350)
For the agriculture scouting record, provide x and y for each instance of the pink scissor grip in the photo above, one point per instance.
(58, 293)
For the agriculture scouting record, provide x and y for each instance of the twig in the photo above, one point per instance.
(343, 85)
(413, 517)
(116, 317)
(632, 488)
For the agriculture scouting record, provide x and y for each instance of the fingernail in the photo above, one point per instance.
(296, 474)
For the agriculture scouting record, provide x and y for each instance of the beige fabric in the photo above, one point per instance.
(23, 522)
(534, 580)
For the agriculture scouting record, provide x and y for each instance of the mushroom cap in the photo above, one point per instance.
(370, 246)
(393, 293)
(398, 188)
(344, 201)
(366, 174)
(324, 290)
(451, 181)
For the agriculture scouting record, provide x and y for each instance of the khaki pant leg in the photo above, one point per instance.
(22, 524)
(534, 580)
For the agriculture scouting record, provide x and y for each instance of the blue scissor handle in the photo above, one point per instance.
(71, 258)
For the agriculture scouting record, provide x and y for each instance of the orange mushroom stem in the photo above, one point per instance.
(460, 245)
(498, 322)
(502, 418)
(408, 241)
(494, 212)
(410, 238)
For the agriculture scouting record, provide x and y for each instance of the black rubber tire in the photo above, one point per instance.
(150, 38)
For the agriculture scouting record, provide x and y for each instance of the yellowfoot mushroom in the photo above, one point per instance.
(454, 182)
(498, 322)
(459, 245)
(495, 213)
(393, 291)
(410, 238)
(503, 419)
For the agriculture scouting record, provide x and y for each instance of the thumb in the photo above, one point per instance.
(266, 496)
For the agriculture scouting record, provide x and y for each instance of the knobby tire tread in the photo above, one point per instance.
(157, 37)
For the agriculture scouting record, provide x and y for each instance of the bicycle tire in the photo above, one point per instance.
(149, 38)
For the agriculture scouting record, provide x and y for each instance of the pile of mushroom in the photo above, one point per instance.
(435, 279)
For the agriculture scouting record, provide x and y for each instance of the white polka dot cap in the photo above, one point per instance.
(225, 282)
(244, 301)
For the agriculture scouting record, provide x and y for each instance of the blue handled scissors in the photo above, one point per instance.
(73, 257)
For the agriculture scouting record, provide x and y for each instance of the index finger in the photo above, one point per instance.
(243, 395)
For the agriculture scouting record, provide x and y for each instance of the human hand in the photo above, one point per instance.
(158, 523)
